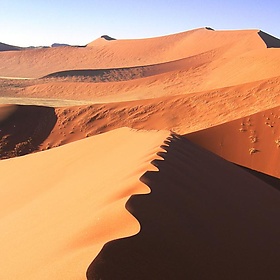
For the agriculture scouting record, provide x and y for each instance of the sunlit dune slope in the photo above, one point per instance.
(33, 129)
(205, 218)
(204, 72)
(252, 141)
(169, 84)
(59, 207)
(130, 53)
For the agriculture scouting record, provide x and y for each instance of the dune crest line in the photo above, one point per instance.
(60, 213)
(197, 223)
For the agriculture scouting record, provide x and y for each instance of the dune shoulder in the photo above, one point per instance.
(59, 207)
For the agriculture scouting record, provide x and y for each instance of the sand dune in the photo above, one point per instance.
(55, 215)
(173, 84)
(252, 141)
(131, 73)
(189, 75)
(270, 41)
(204, 219)
(6, 47)
(128, 53)
(182, 114)
(97, 117)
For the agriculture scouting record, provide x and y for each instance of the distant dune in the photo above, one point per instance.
(152, 158)
(56, 45)
(6, 47)
(270, 41)
(129, 53)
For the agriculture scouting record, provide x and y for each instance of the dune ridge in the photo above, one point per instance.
(56, 215)
(197, 224)
(150, 158)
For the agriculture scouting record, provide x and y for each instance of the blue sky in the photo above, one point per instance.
(30, 22)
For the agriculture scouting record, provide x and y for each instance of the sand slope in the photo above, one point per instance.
(55, 215)
(130, 53)
(252, 141)
(182, 114)
(204, 219)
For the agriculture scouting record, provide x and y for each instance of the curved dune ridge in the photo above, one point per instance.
(55, 215)
(204, 219)
(141, 159)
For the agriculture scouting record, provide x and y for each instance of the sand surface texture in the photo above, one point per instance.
(141, 159)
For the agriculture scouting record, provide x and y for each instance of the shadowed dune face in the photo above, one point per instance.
(108, 38)
(130, 73)
(270, 41)
(25, 129)
(272, 181)
(103, 75)
(6, 47)
(218, 222)
(6, 111)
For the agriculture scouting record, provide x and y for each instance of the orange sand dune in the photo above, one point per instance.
(136, 72)
(59, 207)
(176, 46)
(169, 84)
(206, 71)
(182, 114)
(129, 53)
(204, 219)
(252, 141)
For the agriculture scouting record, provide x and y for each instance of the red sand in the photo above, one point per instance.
(55, 215)
(252, 141)
(205, 218)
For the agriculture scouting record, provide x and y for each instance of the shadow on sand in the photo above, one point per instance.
(270, 41)
(24, 131)
(205, 218)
